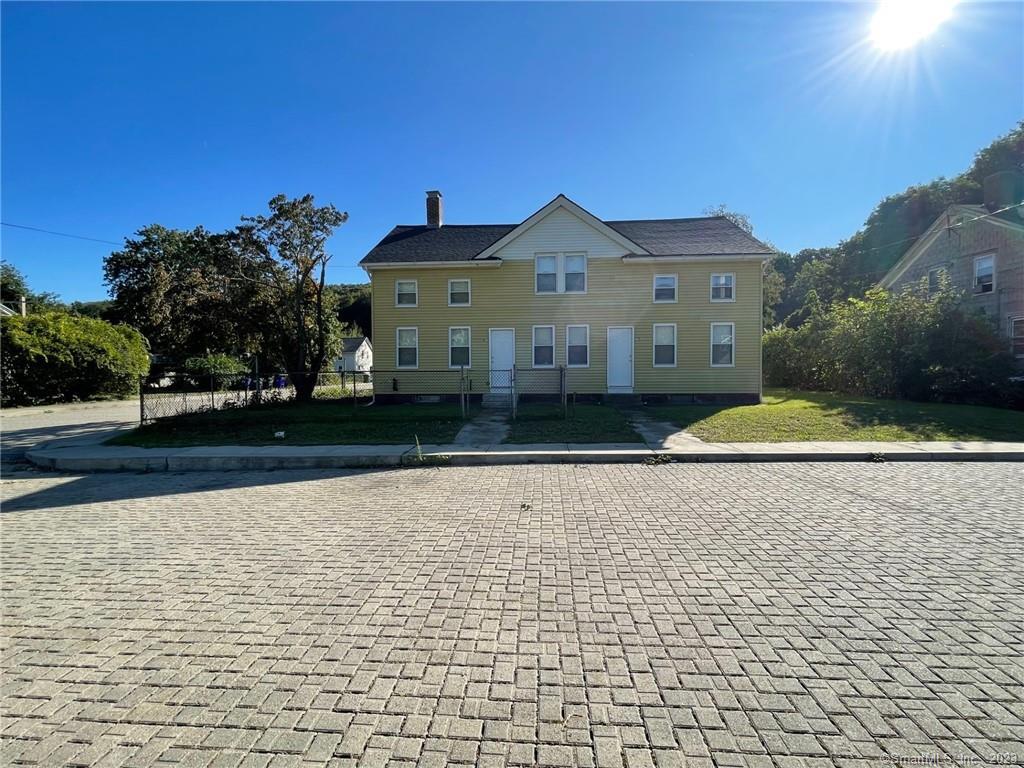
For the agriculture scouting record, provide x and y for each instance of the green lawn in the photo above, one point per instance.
(544, 423)
(306, 424)
(789, 415)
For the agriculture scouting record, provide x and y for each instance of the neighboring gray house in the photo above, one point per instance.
(982, 253)
(356, 355)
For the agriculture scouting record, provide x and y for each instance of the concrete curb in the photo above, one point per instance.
(100, 458)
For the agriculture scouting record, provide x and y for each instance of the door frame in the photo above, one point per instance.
(490, 385)
(620, 389)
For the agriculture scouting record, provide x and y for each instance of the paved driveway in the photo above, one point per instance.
(786, 615)
(69, 424)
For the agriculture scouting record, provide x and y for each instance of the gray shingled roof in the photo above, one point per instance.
(709, 236)
(350, 344)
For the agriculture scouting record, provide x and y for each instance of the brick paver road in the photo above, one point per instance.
(761, 615)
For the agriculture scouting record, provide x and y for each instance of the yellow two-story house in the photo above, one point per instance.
(564, 301)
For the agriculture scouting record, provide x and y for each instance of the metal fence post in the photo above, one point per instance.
(142, 400)
(462, 390)
(354, 400)
(213, 405)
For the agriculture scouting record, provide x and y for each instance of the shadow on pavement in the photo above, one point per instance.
(16, 441)
(119, 486)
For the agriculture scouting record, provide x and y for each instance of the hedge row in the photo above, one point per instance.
(56, 358)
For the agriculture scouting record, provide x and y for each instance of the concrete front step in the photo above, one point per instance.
(496, 400)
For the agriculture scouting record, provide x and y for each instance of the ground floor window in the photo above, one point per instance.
(458, 348)
(408, 346)
(664, 345)
(723, 343)
(577, 346)
(1017, 336)
(543, 346)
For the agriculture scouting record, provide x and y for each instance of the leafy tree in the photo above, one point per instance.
(354, 308)
(181, 289)
(56, 357)
(98, 310)
(286, 252)
(13, 286)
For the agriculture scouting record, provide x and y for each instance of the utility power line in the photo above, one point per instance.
(59, 234)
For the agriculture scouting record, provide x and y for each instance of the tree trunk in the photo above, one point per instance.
(304, 383)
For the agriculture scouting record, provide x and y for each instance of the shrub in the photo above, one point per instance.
(897, 345)
(56, 357)
(216, 369)
(215, 365)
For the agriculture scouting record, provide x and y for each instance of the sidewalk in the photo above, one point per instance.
(98, 458)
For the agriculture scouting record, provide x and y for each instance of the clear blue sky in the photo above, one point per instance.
(119, 115)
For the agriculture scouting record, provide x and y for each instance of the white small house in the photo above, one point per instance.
(356, 355)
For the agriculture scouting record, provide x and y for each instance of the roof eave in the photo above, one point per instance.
(460, 263)
(633, 258)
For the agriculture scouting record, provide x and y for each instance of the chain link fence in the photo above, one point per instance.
(176, 394)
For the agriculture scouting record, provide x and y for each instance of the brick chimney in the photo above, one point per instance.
(435, 209)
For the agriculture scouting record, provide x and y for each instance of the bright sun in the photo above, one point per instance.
(900, 24)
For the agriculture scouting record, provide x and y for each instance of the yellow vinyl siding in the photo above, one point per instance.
(618, 294)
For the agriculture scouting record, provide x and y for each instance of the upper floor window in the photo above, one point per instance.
(560, 273)
(546, 267)
(458, 293)
(665, 288)
(723, 287)
(723, 344)
(985, 273)
(935, 279)
(575, 273)
(406, 293)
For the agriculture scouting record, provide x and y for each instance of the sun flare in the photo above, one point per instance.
(899, 24)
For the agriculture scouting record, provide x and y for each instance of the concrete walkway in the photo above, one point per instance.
(64, 424)
(485, 430)
(92, 458)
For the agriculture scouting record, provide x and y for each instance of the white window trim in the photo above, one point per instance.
(586, 275)
(398, 331)
(533, 347)
(576, 365)
(469, 291)
(654, 289)
(711, 346)
(675, 345)
(711, 288)
(974, 282)
(469, 338)
(416, 303)
(559, 273)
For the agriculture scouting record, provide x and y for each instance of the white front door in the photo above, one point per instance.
(620, 359)
(502, 345)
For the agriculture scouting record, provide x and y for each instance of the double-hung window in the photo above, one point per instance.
(1017, 336)
(406, 294)
(458, 347)
(407, 344)
(985, 273)
(577, 346)
(723, 343)
(543, 346)
(575, 268)
(935, 279)
(560, 273)
(723, 287)
(665, 289)
(458, 293)
(664, 345)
